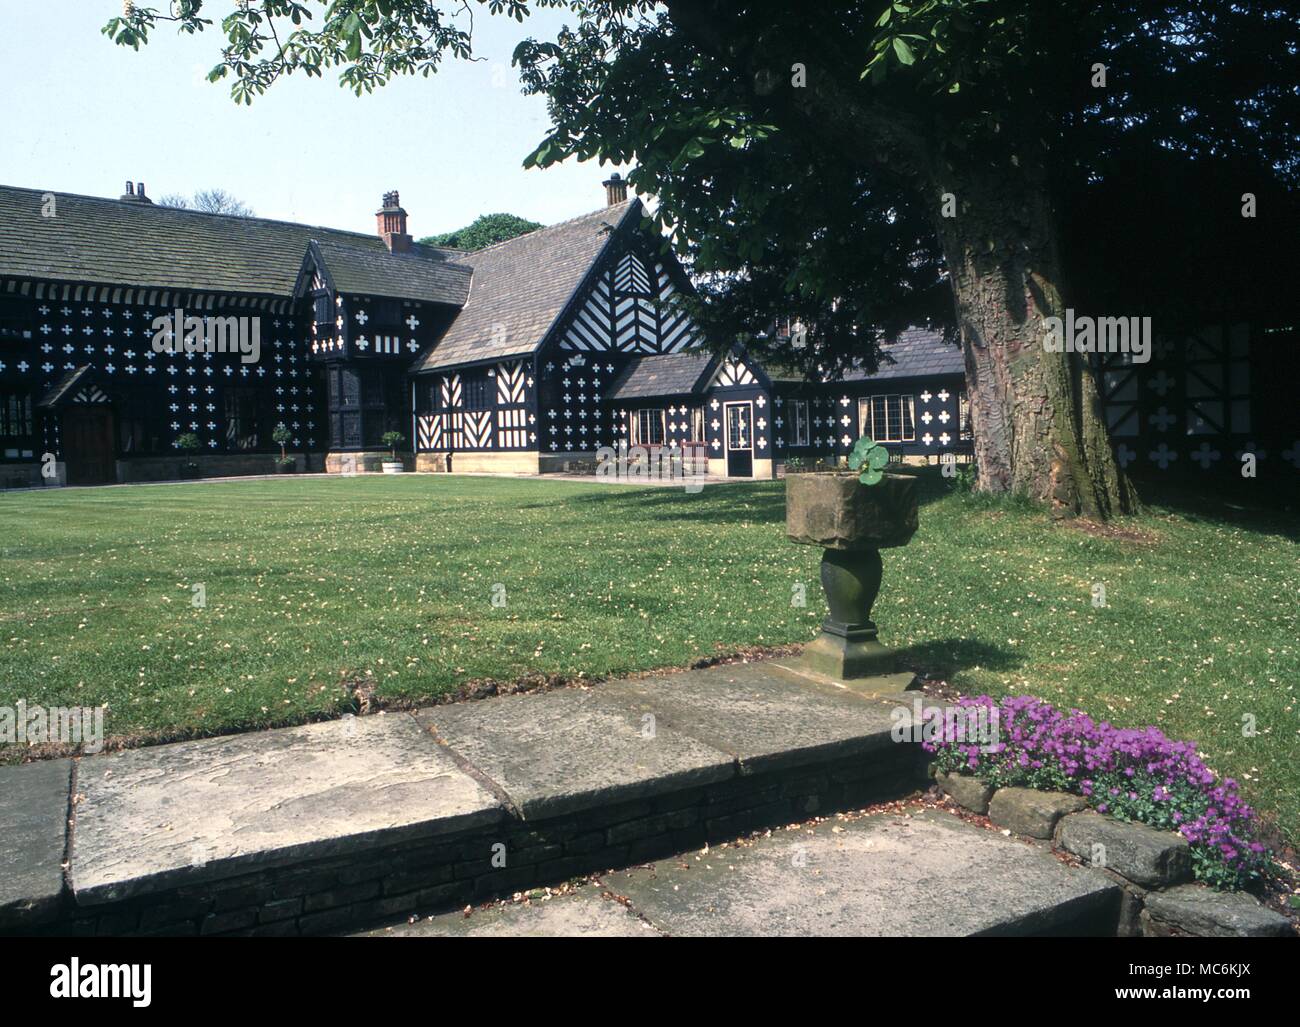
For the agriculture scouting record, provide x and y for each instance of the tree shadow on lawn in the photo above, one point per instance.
(743, 502)
(729, 504)
(1247, 503)
(944, 657)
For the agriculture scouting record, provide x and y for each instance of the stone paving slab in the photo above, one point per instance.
(33, 832)
(926, 875)
(572, 749)
(765, 715)
(581, 914)
(192, 811)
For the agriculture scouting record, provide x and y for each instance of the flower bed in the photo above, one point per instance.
(1133, 774)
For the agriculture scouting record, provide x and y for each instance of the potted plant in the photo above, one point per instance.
(393, 439)
(852, 515)
(284, 463)
(189, 444)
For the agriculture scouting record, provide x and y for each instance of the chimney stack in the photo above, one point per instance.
(392, 224)
(133, 196)
(615, 189)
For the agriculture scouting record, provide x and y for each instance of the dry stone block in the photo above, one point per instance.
(1140, 853)
(1030, 812)
(1197, 910)
(966, 791)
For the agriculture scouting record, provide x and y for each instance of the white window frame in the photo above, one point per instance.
(800, 423)
(638, 436)
(906, 405)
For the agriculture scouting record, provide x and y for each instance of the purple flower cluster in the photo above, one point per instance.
(1131, 773)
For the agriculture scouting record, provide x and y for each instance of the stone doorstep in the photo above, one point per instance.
(187, 813)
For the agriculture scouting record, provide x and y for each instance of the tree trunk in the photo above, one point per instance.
(1036, 415)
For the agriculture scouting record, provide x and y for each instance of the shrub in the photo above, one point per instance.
(1133, 774)
(964, 478)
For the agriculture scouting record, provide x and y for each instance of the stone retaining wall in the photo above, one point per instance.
(1154, 868)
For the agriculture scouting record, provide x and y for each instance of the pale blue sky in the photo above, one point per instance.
(82, 115)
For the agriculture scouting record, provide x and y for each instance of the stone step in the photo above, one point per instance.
(305, 830)
(930, 874)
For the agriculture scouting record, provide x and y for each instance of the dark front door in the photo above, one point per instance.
(88, 445)
(740, 440)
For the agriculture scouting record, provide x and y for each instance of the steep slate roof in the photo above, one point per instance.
(114, 242)
(666, 374)
(62, 387)
(397, 275)
(919, 352)
(522, 286)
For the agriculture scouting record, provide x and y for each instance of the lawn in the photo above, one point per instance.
(312, 585)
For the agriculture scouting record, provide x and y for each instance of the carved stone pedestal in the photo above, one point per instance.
(852, 522)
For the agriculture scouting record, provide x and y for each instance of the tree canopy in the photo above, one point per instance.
(209, 201)
(863, 165)
(485, 230)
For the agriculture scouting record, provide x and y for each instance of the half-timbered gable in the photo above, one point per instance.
(554, 317)
(372, 311)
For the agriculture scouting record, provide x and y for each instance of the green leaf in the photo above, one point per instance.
(903, 52)
(352, 30)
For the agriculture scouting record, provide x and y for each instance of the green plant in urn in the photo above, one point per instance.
(853, 516)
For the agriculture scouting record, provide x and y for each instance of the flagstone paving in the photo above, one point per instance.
(931, 874)
(585, 913)
(198, 813)
(202, 810)
(571, 749)
(763, 714)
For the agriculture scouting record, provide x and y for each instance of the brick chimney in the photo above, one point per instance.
(615, 189)
(392, 224)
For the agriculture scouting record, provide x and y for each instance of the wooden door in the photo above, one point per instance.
(88, 445)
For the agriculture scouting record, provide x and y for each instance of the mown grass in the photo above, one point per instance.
(315, 583)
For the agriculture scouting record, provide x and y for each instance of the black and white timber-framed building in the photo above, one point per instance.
(521, 357)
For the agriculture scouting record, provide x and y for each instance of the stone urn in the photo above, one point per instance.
(852, 522)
